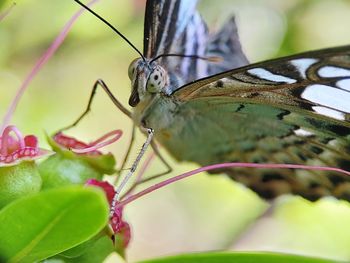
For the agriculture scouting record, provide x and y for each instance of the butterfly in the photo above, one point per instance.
(288, 110)
(291, 110)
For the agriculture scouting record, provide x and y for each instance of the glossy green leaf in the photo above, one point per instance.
(58, 171)
(18, 180)
(96, 252)
(239, 257)
(81, 249)
(42, 225)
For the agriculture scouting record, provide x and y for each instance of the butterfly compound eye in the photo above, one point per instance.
(132, 68)
(157, 80)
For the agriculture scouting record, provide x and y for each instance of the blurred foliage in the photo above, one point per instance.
(238, 258)
(204, 212)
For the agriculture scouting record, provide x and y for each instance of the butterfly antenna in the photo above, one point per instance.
(210, 59)
(111, 27)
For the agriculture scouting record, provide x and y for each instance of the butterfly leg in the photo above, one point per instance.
(162, 159)
(115, 101)
(119, 105)
(140, 181)
(127, 154)
(134, 166)
(116, 198)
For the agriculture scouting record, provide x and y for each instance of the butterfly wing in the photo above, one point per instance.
(165, 21)
(290, 110)
(223, 44)
(175, 27)
(226, 45)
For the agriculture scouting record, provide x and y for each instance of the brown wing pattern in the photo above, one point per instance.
(310, 93)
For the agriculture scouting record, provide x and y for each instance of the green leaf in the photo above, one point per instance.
(18, 180)
(104, 163)
(239, 257)
(45, 224)
(81, 249)
(58, 171)
(97, 252)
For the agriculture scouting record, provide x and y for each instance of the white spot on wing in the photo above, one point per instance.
(303, 64)
(328, 96)
(302, 132)
(333, 72)
(329, 112)
(265, 74)
(344, 84)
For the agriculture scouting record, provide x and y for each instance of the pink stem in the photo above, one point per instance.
(100, 142)
(41, 62)
(144, 167)
(104, 137)
(225, 165)
(5, 139)
(4, 14)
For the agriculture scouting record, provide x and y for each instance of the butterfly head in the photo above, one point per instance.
(147, 79)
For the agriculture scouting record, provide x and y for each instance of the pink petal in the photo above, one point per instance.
(31, 141)
(107, 188)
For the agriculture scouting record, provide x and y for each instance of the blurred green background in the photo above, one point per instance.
(203, 212)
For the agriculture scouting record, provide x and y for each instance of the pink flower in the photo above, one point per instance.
(80, 147)
(72, 143)
(117, 224)
(14, 149)
(121, 227)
